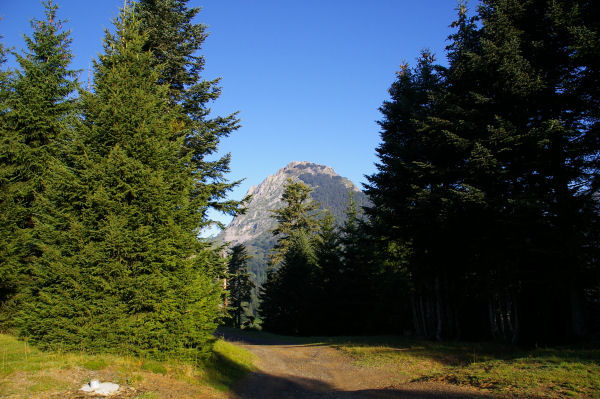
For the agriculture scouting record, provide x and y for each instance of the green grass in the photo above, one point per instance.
(27, 372)
(505, 370)
(228, 364)
(550, 372)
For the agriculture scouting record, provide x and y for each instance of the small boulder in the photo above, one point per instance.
(100, 388)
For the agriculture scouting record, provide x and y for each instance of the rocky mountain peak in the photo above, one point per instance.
(329, 189)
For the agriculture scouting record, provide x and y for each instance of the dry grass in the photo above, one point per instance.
(548, 373)
(26, 372)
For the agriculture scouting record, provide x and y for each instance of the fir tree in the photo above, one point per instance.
(288, 298)
(297, 215)
(328, 253)
(141, 280)
(175, 40)
(37, 105)
(487, 173)
(541, 131)
(239, 283)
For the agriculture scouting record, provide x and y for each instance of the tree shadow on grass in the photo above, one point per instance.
(222, 372)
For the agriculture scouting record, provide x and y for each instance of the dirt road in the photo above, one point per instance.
(308, 371)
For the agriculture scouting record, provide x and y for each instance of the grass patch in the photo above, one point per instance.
(96, 363)
(154, 367)
(228, 364)
(26, 372)
(549, 372)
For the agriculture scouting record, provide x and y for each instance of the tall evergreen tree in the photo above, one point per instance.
(328, 253)
(289, 300)
(357, 276)
(299, 214)
(417, 191)
(175, 41)
(141, 281)
(488, 171)
(292, 289)
(36, 107)
(239, 283)
(542, 131)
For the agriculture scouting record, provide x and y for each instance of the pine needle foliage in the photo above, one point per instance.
(239, 283)
(488, 173)
(299, 214)
(139, 279)
(37, 110)
(175, 40)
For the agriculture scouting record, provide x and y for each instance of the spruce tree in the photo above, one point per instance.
(7, 276)
(299, 214)
(416, 194)
(487, 174)
(175, 42)
(541, 128)
(289, 300)
(328, 253)
(37, 107)
(290, 295)
(141, 280)
(239, 284)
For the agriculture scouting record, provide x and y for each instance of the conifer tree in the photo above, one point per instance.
(141, 280)
(487, 174)
(540, 130)
(7, 276)
(239, 283)
(36, 111)
(328, 253)
(299, 214)
(417, 193)
(175, 40)
(288, 298)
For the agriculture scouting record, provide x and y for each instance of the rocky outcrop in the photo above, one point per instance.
(329, 189)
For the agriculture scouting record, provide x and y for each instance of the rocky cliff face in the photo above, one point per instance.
(253, 229)
(329, 189)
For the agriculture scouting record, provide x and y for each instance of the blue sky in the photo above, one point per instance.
(306, 76)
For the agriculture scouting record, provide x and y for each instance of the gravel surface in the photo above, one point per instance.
(289, 371)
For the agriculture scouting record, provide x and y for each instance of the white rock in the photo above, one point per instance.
(101, 388)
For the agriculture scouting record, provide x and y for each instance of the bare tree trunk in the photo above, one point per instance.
(457, 332)
(577, 319)
(416, 316)
(423, 315)
(438, 310)
(516, 331)
(492, 314)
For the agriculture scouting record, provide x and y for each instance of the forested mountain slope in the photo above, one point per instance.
(253, 229)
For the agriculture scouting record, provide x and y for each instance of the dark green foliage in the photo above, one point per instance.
(289, 297)
(36, 112)
(297, 215)
(328, 283)
(175, 40)
(288, 301)
(134, 277)
(239, 283)
(331, 193)
(487, 171)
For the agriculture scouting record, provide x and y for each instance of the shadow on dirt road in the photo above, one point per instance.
(298, 368)
(263, 386)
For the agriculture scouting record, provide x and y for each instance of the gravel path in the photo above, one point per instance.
(297, 371)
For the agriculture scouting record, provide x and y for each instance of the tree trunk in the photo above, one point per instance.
(424, 315)
(438, 311)
(577, 319)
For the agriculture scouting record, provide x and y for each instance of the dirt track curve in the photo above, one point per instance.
(298, 371)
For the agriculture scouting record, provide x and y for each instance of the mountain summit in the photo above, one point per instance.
(329, 189)
(253, 228)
